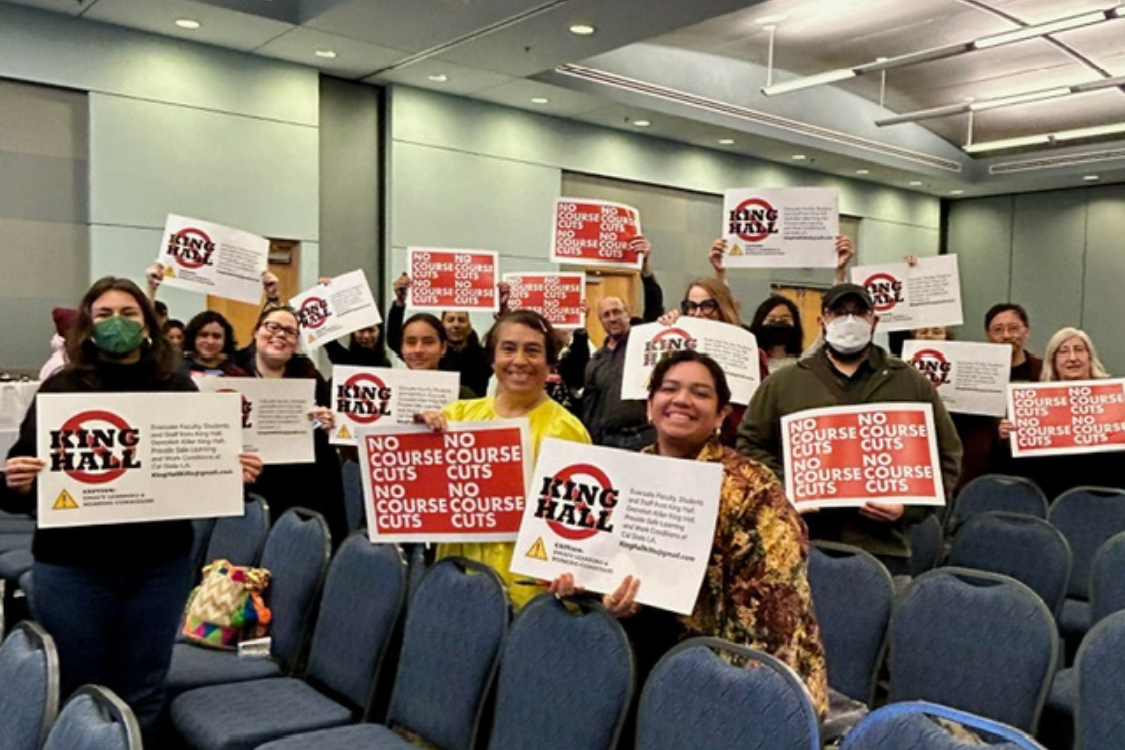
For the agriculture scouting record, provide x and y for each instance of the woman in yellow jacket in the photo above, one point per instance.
(521, 350)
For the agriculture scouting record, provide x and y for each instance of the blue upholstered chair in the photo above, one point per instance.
(353, 496)
(853, 595)
(296, 554)
(94, 719)
(566, 679)
(240, 539)
(1024, 547)
(694, 698)
(455, 627)
(976, 641)
(911, 725)
(1087, 517)
(927, 544)
(29, 687)
(362, 599)
(991, 492)
(1100, 714)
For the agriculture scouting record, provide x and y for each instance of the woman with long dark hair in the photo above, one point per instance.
(209, 346)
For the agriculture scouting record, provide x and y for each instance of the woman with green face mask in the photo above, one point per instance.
(110, 595)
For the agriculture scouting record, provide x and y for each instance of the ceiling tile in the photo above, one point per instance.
(219, 26)
(462, 80)
(353, 59)
(518, 93)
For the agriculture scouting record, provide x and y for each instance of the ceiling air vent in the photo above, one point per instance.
(1056, 162)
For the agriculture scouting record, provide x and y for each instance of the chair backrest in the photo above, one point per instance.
(362, 599)
(565, 681)
(997, 492)
(240, 538)
(1099, 719)
(981, 642)
(29, 676)
(912, 725)
(353, 496)
(296, 554)
(1087, 517)
(853, 595)
(1107, 579)
(927, 542)
(694, 698)
(455, 626)
(1024, 547)
(94, 719)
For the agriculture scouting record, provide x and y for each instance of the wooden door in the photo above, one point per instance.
(808, 300)
(600, 285)
(285, 257)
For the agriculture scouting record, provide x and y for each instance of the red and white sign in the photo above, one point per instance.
(557, 297)
(442, 279)
(780, 228)
(1082, 416)
(209, 258)
(847, 456)
(595, 233)
(462, 485)
(128, 457)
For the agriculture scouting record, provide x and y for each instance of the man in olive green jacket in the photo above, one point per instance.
(850, 369)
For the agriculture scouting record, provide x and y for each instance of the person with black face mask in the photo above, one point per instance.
(849, 369)
(777, 327)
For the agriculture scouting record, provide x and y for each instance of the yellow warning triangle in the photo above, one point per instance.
(65, 502)
(735, 249)
(538, 550)
(343, 434)
(312, 339)
(169, 272)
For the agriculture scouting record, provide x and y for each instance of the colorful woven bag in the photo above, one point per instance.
(227, 607)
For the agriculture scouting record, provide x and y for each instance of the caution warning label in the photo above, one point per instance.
(64, 502)
(538, 550)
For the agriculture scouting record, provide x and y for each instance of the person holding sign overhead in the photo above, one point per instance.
(850, 369)
(522, 352)
(110, 595)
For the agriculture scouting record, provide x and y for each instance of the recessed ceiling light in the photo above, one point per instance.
(771, 20)
(438, 78)
(915, 183)
(956, 192)
(1091, 178)
(726, 141)
(863, 171)
(540, 100)
(641, 123)
(582, 29)
(799, 157)
(187, 23)
(326, 53)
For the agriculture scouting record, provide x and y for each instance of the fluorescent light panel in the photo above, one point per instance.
(1043, 29)
(820, 79)
(1043, 139)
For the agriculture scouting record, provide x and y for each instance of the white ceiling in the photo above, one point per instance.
(507, 51)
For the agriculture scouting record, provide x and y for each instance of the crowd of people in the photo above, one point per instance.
(129, 576)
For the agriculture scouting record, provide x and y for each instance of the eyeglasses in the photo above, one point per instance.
(708, 306)
(274, 329)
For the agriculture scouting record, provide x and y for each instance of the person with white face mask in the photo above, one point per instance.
(849, 369)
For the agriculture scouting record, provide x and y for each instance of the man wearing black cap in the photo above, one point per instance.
(849, 369)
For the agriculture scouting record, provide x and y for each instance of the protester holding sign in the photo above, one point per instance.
(209, 346)
(365, 347)
(849, 369)
(110, 595)
(318, 486)
(522, 352)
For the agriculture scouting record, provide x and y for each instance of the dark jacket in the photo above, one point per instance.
(356, 355)
(471, 361)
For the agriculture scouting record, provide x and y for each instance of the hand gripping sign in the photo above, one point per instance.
(465, 484)
(603, 514)
(442, 279)
(1081, 416)
(557, 297)
(375, 396)
(122, 458)
(847, 456)
(208, 258)
(595, 233)
(780, 228)
(907, 297)
(329, 311)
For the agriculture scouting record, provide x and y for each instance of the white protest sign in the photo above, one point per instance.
(1074, 416)
(603, 514)
(129, 457)
(847, 456)
(970, 377)
(376, 396)
(464, 484)
(275, 415)
(908, 297)
(780, 228)
(212, 259)
(732, 346)
(329, 311)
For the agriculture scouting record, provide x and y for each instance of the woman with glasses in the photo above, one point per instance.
(319, 485)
